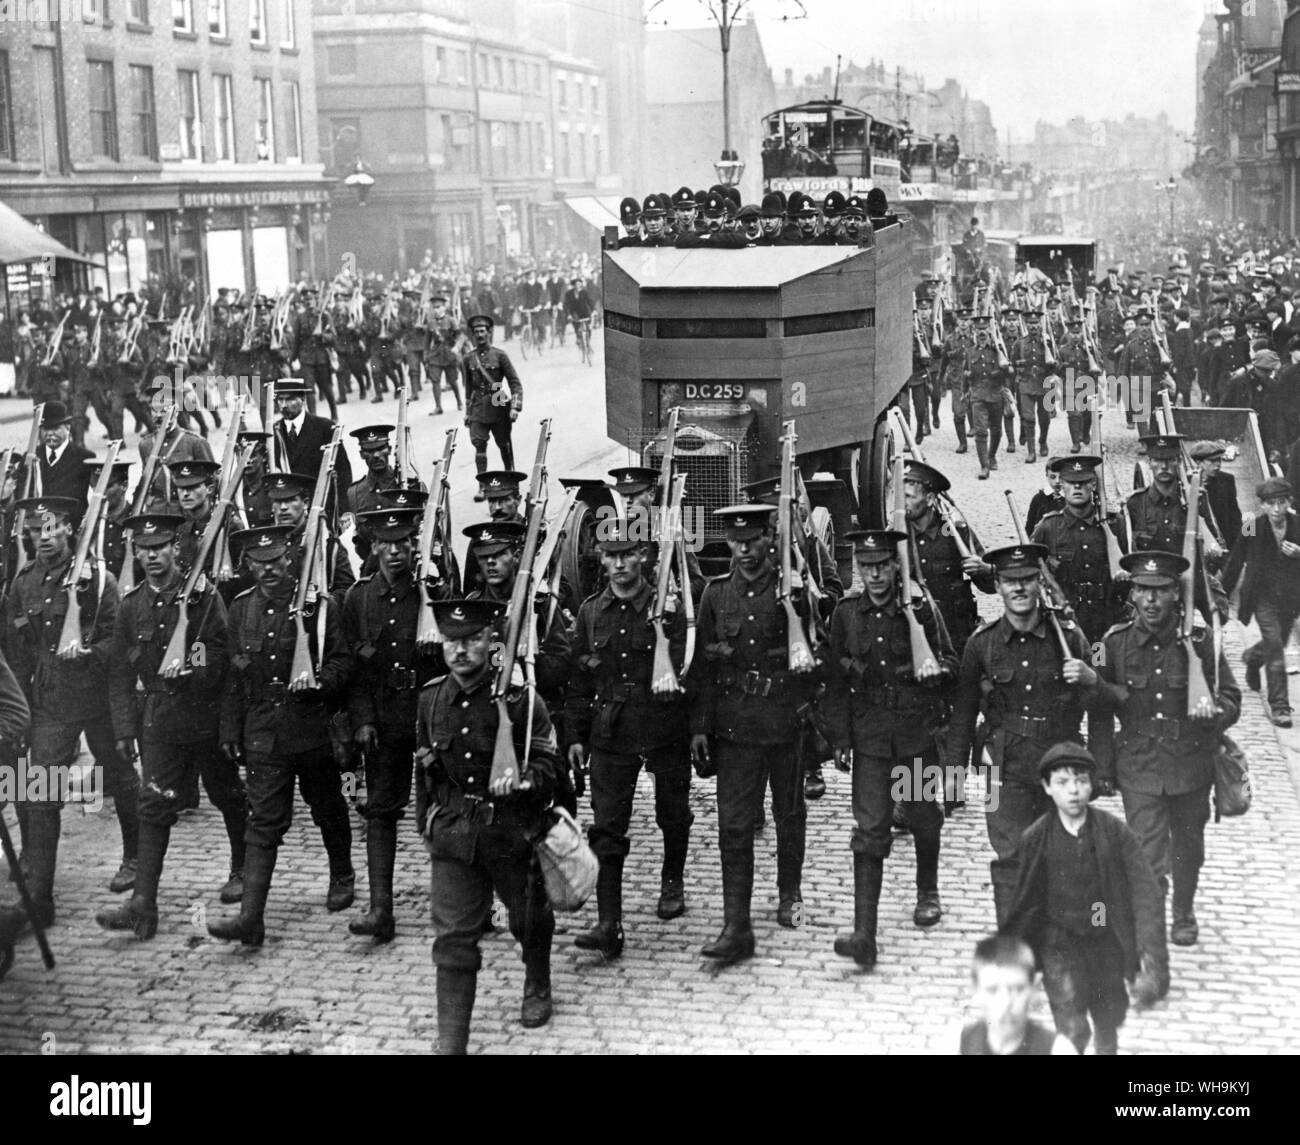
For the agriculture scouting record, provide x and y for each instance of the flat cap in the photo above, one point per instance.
(1072, 755)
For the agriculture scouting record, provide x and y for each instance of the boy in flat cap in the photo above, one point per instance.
(1088, 904)
(478, 832)
(1269, 555)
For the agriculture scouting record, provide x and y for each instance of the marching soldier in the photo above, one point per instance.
(1072, 354)
(1077, 549)
(478, 833)
(883, 712)
(983, 381)
(180, 445)
(494, 395)
(946, 574)
(441, 359)
(258, 507)
(614, 723)
(67, 692)
(351, 351)
(1140, 358)
(952, 374)
(363, 494)
(1163, 758)
(176, 727)
(380, 618)
(192, 488)
(745, 716)
(413, 339)
(1015, 672)
(79, 372)
(277, 727)
(1029, 356)
(290, 494)
(311, 344)
(117, 508)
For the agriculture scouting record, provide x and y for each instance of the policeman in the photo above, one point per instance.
(745, 716)
(379, 624)
(1163, 758)
(654, 222)
(947, 575)
(192, 488)
(983, 379)
(1077, 548)
(1015, 671)
(883, 710)
(67, 692)
(1029, 356)
(629, 215)
(276, 725)
(478, 833)
(685, 214)
(494, 395)
(177, 724)
(615, 722)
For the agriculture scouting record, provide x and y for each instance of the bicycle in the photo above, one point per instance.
(557, 326)
(582, 335)
(532, 336)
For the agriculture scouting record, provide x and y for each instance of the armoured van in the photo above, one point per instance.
(1055, 255)
(744, 340)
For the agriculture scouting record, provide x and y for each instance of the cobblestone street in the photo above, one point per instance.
(315, 989)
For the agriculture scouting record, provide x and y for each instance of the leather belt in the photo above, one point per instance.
(401, 679)
(887, 697)
(1163, 728)
(623, 691)
(1031, 727)
(1087, 591)
(752, 683)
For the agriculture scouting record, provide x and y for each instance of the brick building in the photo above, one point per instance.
(472, 130)
(167, 140)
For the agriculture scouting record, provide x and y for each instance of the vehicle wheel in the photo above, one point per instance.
(525, 344)
(875, 461)
(576, 570)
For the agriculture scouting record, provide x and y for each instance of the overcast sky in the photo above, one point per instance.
(1028, 59)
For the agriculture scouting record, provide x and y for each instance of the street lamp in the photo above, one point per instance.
(1171, 189)
(361, 180)
(729, 168)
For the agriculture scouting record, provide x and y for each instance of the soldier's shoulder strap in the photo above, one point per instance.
(986, 626)
(1114, 629)
(133, 589)
(437, 681)
(247, 592)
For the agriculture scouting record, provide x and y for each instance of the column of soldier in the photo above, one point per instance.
(717, 218)
(1111, 611)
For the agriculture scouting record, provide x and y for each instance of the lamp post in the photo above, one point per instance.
(1171, 189)
(725, 13)
(360, 180)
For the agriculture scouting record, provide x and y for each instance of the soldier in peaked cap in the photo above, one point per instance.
(883, 716)
(1014, 671)
(257, 502)
(67, 691)
(364, 495)
(494, 395)
(1163, 758)
(192, 489)
(478, 832)
(381, 619)
(277, 725)
(1077, 547)
(619, 716)
(291, 495)
(116, 510)
(746, 702)
(177, 725)
(500, 488)
(1158, 513)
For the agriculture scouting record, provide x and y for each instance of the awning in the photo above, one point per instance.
(20, 241)
(600, 211)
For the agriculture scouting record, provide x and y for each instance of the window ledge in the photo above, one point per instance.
(181, 34)
(259, 46)
(223, 41)
(288, 49)
(143, 29)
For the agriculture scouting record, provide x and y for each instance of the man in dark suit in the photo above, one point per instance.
(62, 471)
(300, 436)
(1269, 551)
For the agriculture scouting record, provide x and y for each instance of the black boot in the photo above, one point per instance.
(736, 942)
(141, 913)
(455, 1008)
(860, 945)
(247, 926)
(982, 451)
(1183, 929)
(40, 858)
(814, 782)
(338, 846)
(789, 873)
(381, 854)
(126, 805)
(672, 885)
(928, 909)
(537, 1007)
(606, 937)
